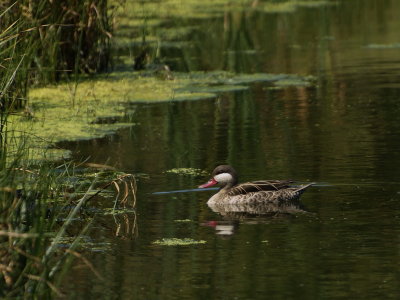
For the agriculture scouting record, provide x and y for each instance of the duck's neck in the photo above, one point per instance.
(228, 186)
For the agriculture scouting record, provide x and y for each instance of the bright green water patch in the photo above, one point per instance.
(293, 81)
(187, 171)
(117, 211)
(291, 5)
(214, 89)
(384, 46)
(151, 11)
(85, 243)
(178, 242)
(183, 221)
(68, 112)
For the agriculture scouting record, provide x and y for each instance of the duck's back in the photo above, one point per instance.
(258, 192)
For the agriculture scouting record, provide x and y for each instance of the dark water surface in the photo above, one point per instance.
(344, 134)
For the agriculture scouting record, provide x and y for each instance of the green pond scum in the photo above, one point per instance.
(72, 112)
(151, 12)
(384, 46)
(85, 243)
(187, 171)
(183, 221)
(178, 242)
(117, 211)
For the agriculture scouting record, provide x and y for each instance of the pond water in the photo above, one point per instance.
(343, 133)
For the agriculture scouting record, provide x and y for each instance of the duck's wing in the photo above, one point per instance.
(261, 185)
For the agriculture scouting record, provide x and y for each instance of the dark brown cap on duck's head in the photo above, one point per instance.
(225, 169)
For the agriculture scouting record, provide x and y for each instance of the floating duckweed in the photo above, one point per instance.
(187, 171)
(291, 5)
(85, 243)
(67, 112)
(178, 242)
(118, 211)
(214, 89)
(383, 46)
(292, 82)
(150, 10)
(183, 221)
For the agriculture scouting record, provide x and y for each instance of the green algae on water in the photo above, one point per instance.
(183, 221)
(178, 242)
(294, 82)
(187, 172)
(85, 243)
(152, 11)
(79, 112)
(117, 211)
(291, 6)
(214, 89)
(384, 46)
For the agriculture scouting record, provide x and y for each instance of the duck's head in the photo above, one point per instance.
(224, 175)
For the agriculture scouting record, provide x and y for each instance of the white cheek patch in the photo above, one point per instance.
(223, 178)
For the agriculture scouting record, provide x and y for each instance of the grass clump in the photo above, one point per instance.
(58, 37)
(29, 223)
(40, 42)
(39, 205)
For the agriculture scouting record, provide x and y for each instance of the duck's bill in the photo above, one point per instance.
(211, 182)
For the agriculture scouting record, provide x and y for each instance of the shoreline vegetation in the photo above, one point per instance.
(41, 203)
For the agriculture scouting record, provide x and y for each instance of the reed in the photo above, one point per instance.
(28, 220)
(39, 209)
(41, 42)
(53, 39)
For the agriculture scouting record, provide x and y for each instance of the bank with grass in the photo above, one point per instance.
(42, 42)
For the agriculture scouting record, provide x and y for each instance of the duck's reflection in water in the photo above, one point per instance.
(234, 215)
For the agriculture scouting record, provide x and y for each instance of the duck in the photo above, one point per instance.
(277, 192)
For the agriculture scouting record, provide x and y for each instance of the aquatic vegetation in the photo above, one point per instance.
(183, 221)
(117, 211)
(178, 242)
(29, 225)
(214, 88)
(187, 171)
(86, 243)
(38, 205)
(295, 81)
(291, 5)
(151, 12)
(124, 185)
(384, 46)
(55, 119)
(40, 40)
